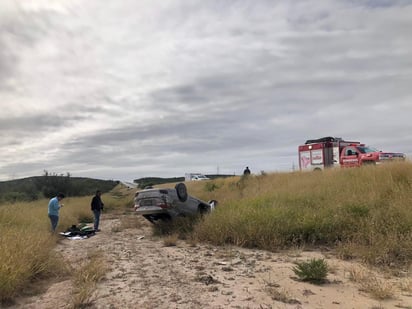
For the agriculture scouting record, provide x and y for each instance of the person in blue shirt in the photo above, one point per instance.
(54, 207)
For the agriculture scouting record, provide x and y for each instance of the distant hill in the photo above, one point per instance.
(152, 181)
(32, 188)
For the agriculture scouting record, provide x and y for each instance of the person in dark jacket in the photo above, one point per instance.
(97, 207)
(246, 171)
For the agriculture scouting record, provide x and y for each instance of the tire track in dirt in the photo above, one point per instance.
(144, 273)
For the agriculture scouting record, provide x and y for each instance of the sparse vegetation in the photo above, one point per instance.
(281, 295)
(378, 288)
(369, 282)
(406, 285)
(85, 279)
(277, 293)
(128, 223)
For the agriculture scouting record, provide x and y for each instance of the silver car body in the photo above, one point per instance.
(166, 204)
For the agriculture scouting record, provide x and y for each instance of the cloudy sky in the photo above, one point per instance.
(123, 89)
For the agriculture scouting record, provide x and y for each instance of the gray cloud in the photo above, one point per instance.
(134, 89)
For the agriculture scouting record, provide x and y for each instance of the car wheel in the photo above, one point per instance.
(181, 192)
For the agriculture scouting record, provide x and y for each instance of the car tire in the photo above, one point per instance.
(181, 192)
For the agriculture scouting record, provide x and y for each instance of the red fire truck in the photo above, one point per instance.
(326, 152)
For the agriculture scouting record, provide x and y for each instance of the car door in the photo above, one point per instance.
(350, 157)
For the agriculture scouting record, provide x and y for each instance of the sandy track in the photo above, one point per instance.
(144, 273)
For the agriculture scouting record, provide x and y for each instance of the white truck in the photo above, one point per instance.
(195, 177)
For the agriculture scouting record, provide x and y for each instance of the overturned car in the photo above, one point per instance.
(165, 204)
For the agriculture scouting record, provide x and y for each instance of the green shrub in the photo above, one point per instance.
(314, 270)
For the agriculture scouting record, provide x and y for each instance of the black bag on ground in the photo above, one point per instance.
(76, 231)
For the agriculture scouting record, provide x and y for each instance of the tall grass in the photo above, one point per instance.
(26, 243)
(363, 212)
(26, 248)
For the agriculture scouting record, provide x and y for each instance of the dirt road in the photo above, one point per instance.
(145, 273)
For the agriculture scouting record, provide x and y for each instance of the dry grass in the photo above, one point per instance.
(279, 294)
(86, 278)
(363, 212)
(369, 282)
(378, 288)
(170, 240)
(26, 244)
(129, 222)
(26, 249)
(405, 285)
(192, 241)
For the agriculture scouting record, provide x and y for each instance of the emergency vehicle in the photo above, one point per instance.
(327, 152)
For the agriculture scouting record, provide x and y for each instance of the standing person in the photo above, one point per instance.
(246, 171)
(97, 207)
(54, 207)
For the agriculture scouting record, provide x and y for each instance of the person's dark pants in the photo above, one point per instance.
(96, 219)
(53, 220)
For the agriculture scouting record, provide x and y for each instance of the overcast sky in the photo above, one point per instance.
(124, 89)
